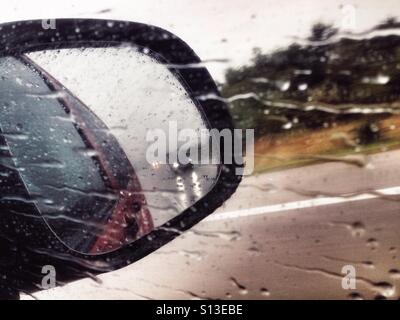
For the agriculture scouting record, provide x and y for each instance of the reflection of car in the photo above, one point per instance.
(176, 166)
(99, 205)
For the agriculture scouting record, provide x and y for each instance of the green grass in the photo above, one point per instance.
(376, 147)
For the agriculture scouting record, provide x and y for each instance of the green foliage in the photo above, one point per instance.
(334, 74)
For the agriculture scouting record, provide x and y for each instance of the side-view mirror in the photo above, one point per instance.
(109, 147)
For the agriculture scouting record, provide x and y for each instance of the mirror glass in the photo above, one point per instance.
(86, 127)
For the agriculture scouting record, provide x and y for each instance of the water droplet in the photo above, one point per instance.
(355, 296)
(394, 273)
(372, 243)
(242, 289)
(265, 292)
(357, 229)
(385, 289)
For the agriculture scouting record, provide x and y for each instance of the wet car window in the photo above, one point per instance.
(319, 215)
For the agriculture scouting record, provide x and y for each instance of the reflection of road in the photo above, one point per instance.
(170, 192)
(294, 253)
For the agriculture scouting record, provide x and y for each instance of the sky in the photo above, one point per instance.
(223, 29)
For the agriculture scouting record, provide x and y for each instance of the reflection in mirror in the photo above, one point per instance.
(77, 136)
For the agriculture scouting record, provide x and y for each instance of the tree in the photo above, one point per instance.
(335, 74)
(322, 32)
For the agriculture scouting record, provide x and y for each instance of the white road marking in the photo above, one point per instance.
(302, 204)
